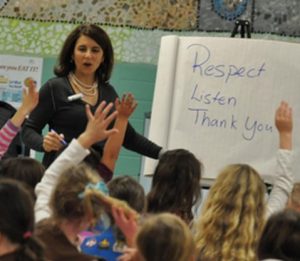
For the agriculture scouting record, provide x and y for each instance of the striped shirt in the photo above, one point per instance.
(7, 134)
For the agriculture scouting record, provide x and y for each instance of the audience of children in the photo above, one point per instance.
(236, 223)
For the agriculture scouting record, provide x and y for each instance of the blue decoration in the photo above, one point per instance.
(100, 186)
(230, 9)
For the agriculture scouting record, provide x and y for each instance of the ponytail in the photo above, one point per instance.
(31, 250)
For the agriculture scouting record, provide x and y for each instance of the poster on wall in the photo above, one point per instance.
(13, 71)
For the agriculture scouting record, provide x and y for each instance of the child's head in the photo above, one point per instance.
(128, 189)
(233, 215)
(24, 169)
(66, 202)
(281, 237)
(165, 237)
(176, 184)
(80, 198)
(17, 219)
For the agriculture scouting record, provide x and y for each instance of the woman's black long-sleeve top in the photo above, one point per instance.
(69, 118)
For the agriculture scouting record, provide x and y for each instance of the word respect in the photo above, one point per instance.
(202, 65)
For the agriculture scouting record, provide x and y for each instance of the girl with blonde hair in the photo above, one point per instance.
(158, 237)
(236, 209)
(165, 237)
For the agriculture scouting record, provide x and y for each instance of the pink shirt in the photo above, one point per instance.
(7, 134)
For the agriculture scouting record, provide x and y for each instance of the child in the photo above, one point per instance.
(236, 209)
(162, 236)
(280, 238)
(75, 201)
(165, 237)
(11, 128)
(24, 169)
(17, 223)
(176, 184)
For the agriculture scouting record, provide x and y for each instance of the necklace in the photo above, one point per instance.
(85, 89)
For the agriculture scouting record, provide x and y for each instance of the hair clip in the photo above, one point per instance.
(100, 186)
(27, 234)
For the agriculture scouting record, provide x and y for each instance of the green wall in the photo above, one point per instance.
(138, 79)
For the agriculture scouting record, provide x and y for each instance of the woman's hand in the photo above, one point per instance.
(53, 141)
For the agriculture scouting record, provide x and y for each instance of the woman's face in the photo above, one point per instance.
(87, 56)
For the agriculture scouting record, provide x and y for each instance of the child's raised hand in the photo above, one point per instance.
(96, 129)
(30, 96)
(284, 118)
(126, 105)
(284, 125)
(126, 222)
(29, 101)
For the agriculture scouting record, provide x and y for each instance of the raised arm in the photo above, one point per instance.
(112, 147)
(284, 125)
(96, 130)
(284, 177)
(11, 128)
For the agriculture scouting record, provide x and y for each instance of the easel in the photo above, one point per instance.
(241, 26)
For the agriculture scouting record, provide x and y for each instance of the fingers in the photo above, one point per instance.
(107, 109)
(108, 120)
(117, 103)
(88, 112)
(100, 108)
(284, 111)
(111, 132)
(52, 142)
(30, 83)
(284, 118)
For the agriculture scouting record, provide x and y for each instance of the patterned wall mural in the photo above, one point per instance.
(39, 27)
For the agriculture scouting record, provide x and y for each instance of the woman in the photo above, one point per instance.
(85, 66)
(236, 209)
(17, 223)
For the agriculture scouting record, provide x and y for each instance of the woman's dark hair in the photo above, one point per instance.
(24, 169)
(281, 237)
(128, 189)
(66, 63)
(17, 219)
(176, 184)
